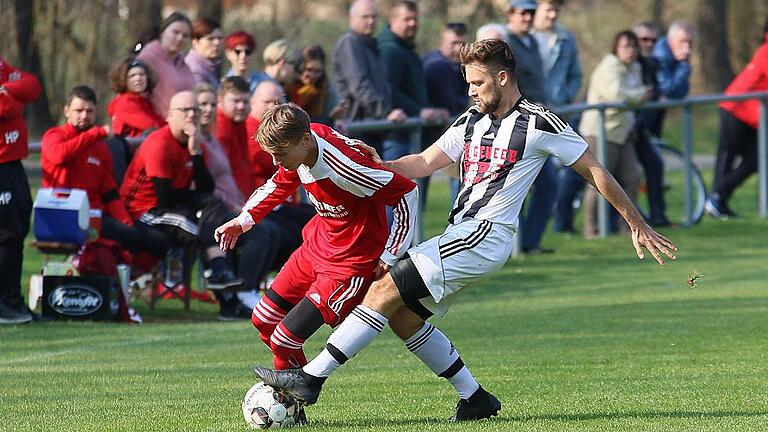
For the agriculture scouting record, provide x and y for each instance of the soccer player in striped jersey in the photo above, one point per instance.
(345, 244)
(501, 143)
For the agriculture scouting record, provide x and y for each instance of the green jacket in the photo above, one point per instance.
(404, 72)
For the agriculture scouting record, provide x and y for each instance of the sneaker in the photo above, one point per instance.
(481, 405)
(223, 280)
(716, 208)
(233, 310)
(296, 383)
(10, 314)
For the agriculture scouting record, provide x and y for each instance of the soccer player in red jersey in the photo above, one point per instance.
(346, 244)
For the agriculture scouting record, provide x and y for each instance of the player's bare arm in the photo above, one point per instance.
(414, 165)
(643, 236)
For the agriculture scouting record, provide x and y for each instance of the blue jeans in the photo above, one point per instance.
(396, 145)
(571, 184)
(540, 205)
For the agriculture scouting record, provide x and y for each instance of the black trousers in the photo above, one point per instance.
(738, 140)
(137, 238)
(15, 211)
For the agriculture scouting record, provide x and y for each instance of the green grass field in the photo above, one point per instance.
(589, 338)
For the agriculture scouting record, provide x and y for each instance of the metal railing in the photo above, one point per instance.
(413, 126)
(687, 105)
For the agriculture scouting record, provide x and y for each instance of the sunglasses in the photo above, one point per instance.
(648, 39)
(246, 51)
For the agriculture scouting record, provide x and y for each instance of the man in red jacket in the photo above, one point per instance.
(75, 155)
(738, 133)
(16, 89)
(230, 121)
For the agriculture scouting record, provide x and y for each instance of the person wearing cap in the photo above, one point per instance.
(164, 55)
(531, 80)
(238, 49)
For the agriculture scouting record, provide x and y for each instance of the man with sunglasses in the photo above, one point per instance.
(530, 70)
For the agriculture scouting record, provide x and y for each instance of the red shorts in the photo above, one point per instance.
(334, 294)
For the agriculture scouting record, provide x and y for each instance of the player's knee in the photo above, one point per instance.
(383, 295)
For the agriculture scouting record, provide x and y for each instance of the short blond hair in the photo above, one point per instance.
(279, 50)
(282, 126)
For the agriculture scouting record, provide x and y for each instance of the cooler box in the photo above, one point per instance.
(61, 215)
(80, 298)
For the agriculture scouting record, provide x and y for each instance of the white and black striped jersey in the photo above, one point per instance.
(501, 157)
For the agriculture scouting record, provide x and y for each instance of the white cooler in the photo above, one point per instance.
(61, 215)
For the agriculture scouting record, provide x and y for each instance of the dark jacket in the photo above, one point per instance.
(404, 73)
(446, 87)
(530, 70)
(359, 79)
(672, 76)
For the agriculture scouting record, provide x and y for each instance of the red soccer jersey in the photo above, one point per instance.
(349, 192)
(161, 155)
(132, 114)
(261, 162)
(234, 139)
(20, 88)
(78, 159)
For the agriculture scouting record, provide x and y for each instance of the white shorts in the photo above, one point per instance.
(463, 254)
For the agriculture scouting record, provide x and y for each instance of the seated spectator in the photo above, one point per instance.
(204, 59)
(313, 91)
(239, 47)
(231, 133)
(131, 111)
(267, 247)
(158, 191)
(280, 63)
(617, 78)
(164, 55)
(267, 94)
(75, 156)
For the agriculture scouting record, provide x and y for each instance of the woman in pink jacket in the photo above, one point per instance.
(164, 54)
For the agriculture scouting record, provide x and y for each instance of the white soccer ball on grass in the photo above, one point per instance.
(265, 408)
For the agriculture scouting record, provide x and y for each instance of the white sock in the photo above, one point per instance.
(352, 335)
(434, 349)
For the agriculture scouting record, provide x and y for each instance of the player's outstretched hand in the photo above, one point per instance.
(369, 150)
(227, 234)
(646, 237)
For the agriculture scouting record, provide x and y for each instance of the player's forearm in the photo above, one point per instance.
(610, 189)
(411, 166)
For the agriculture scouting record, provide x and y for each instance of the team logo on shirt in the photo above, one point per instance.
(486, 161)
(93, 161)
(328, 210)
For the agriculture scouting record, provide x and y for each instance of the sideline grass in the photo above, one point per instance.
(589, 338)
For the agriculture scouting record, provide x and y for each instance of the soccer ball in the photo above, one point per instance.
(265, 408)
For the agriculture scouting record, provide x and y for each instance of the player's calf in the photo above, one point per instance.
(267, 314)
(287, 348)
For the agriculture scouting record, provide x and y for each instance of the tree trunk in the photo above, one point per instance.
(29, 56)
(142, 15)
(210, 9)
(716, 67)
(657, 12)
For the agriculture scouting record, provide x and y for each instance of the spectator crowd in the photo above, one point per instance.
(180, 155)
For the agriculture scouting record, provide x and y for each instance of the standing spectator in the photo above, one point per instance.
(238, 50)
(357, 69)
(446, 88)
(491, 31)
(313, 92)
(267, 94)
(16, 89)
(131, 111)
(280, 63)
(405, 75)
(204, 59)
(230, 122)
(75, 156)
(562, 69)
(646, 128)
(673, 68)
(738, 133)
(165, 56)
(617, 78)
(530, 69)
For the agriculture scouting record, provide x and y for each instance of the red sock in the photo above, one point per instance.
(265, 317)
(287, 349)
